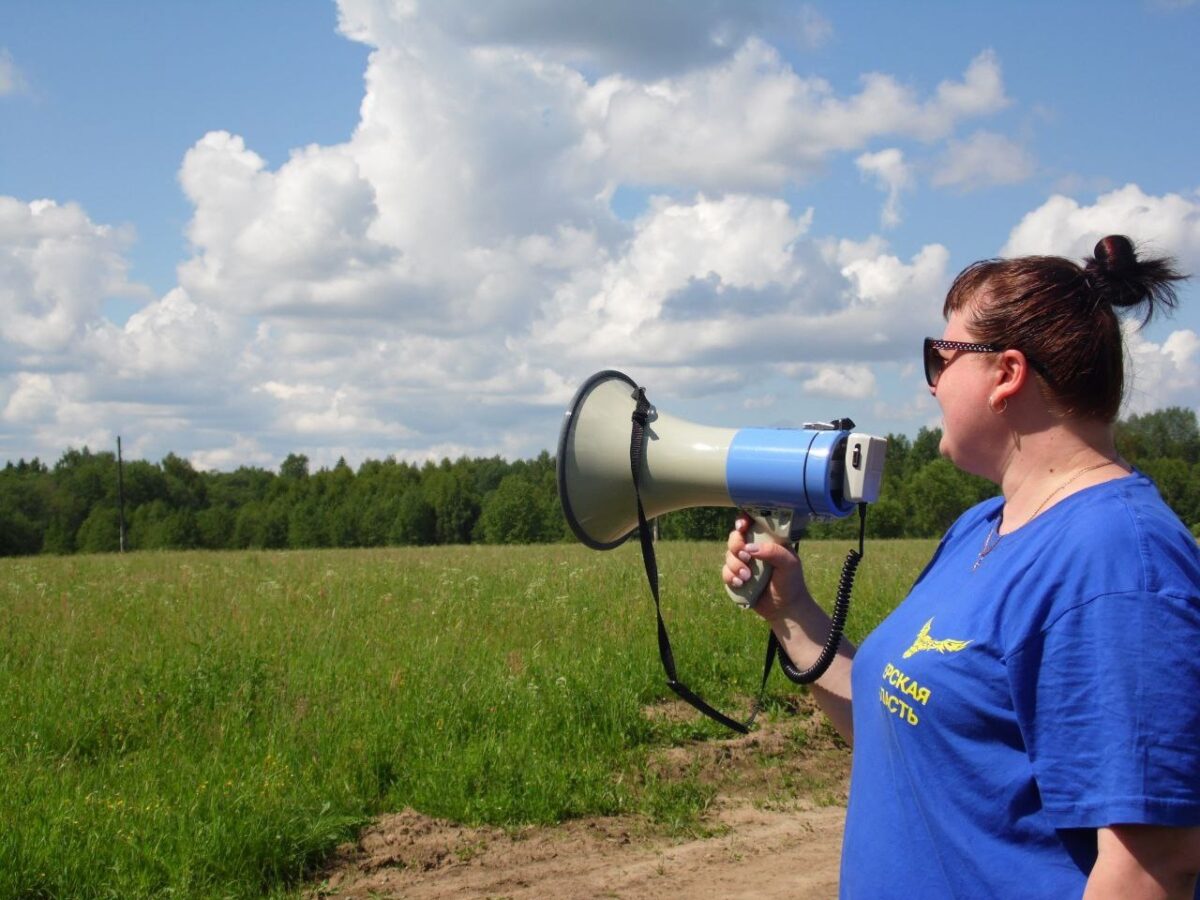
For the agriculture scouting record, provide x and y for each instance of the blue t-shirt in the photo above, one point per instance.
(1005, 711)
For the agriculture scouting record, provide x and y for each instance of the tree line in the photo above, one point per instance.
(72, 506)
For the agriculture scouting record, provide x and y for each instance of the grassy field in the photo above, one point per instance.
(211, 724)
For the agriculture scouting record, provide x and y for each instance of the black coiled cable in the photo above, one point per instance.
(841, 607)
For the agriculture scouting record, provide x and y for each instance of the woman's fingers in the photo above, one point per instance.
(737, 537)
(735, 572)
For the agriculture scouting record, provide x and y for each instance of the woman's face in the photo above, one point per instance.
(972, 434)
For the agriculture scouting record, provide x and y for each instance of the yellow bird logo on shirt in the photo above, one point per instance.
(925, 642)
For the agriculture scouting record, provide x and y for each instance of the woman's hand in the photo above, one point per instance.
(786, 587)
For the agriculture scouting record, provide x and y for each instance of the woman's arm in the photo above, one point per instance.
(1141, 862)
(798, 622)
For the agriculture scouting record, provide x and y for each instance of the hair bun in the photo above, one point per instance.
(1117, 278)
(1115, 254)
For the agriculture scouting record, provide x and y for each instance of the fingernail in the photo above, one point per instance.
(743, 556)
(744, 573)
(736, 582)
(752, 548)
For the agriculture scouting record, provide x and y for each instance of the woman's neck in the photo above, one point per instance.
(1048, 465)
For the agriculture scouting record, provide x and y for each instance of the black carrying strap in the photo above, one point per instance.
(641, 415)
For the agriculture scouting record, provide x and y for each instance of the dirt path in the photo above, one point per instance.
(770, 840)
(766, 854)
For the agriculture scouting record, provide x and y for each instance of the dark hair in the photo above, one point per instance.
(1064, 317)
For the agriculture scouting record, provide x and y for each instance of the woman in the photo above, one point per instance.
(1027, 722)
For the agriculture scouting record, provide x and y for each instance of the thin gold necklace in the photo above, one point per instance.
(993, 536)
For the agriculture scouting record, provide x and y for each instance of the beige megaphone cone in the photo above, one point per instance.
(683, 466)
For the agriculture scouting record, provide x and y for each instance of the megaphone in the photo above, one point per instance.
(783, 477)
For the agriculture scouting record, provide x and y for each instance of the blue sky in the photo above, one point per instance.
(234, 231)
(117, 92)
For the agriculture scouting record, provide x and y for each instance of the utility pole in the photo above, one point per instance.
(121, 491)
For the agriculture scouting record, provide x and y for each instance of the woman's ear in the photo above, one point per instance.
(1011, 373)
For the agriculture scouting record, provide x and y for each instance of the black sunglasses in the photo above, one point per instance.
(935, 363)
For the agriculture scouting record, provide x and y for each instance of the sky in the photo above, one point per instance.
(373, 228)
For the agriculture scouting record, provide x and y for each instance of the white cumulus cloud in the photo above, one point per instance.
(1169, 223)
(670, 35)
(1162, 374)
(984, 159)
(753, 122)
(170, 338)
(712, 281)
(890, 172)
(841, 382)
(57, 268)
(31, 398)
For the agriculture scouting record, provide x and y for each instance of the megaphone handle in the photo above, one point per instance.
(763, 528)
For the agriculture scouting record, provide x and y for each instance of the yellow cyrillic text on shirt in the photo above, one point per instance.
(895, 705)
(905, 685)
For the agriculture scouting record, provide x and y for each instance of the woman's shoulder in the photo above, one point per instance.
(1124, 526)
(1099, 550)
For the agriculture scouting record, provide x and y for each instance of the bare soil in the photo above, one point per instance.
(774, 830)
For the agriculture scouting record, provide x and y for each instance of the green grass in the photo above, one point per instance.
(214, 724)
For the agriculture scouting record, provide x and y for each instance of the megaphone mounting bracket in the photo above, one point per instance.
(644, 410)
